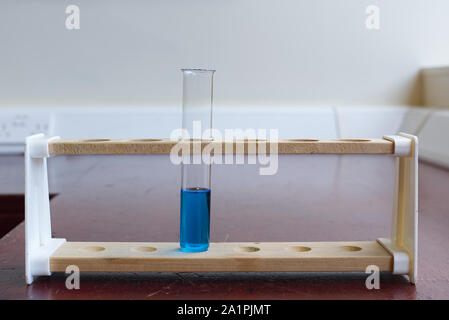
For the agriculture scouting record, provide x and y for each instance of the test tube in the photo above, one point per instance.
(195, 177)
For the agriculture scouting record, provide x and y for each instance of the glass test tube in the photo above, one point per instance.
(195, 183)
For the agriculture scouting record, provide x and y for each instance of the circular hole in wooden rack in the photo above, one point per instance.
(350, 248)
(300, 248)
(303, 140)
(249, 249)
(144, 249)
(97, 140)
(198, 140)
(354, 140)
(94, 249)
(193, 141)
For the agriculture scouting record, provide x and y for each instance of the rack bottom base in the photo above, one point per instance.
(222, 257)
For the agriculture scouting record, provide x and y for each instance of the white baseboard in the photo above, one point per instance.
(434, 138)
(430, 124)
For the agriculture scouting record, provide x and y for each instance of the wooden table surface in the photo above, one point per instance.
(311, 198)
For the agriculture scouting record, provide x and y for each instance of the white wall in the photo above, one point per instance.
(288, 52)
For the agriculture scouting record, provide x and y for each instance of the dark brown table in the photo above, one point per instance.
(311, 198)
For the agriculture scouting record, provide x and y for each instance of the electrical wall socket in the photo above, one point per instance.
(17, 124)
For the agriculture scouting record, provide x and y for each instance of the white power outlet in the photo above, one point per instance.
(17, 124)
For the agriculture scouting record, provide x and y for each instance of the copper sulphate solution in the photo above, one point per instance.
(197, 93)
(195, 219)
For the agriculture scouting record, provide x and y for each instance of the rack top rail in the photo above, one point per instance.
(164, 146)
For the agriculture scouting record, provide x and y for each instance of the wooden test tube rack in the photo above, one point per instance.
(397, 254)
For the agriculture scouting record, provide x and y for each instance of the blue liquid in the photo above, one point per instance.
(195, 219)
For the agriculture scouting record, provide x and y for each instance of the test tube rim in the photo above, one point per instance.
(197, 70)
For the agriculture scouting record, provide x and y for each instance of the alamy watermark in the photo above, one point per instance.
(73, 280)
(372, 21)
(207, 147)
(72, 21)
(373, 280)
